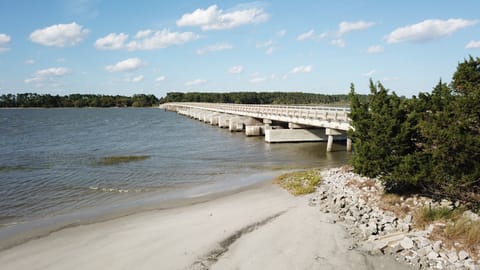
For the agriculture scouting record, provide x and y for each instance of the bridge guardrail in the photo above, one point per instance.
(274, 112)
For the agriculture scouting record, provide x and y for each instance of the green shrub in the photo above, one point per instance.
(299, 183)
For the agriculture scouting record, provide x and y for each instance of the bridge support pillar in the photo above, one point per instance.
(224, 121)
(349, 145)
(213, 119)
(294, 135)
(330, 143)
(254, 130)
(235, 124)
(339, 135)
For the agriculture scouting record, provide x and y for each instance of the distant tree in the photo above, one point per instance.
(75, 100)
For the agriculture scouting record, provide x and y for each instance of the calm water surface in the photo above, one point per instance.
(50, 160)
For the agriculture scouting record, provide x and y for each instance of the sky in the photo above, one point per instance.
(154, 47)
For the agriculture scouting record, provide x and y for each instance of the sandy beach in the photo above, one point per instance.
(259, 228)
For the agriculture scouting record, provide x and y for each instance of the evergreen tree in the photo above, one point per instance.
(381, 137)
(452, 132)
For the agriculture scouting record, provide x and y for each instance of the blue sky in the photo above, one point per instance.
(127, 47)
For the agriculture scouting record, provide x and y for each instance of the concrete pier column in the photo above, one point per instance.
(214, 119)
(294, 135)
(235, 124)
(206, 116)
(330, 143)
(349, 145)
(224, 121)
(254, 131)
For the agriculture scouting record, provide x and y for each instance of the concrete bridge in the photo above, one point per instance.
(278, 123)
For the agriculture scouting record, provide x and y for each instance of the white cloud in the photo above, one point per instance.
(265, 44)
(346, 27)
(338, 42)
(138, 78)
(29, 62)
(302, 69)
(161, 39)
(125, 65)
(298, 69)
(370, 73)
(336, 36)
(160, 78)
(391, 79)
(143, 34)
(428, 30)
(215, 48)
(213, 18)
(145, 40)
(111, 41)
(235, 69)
(47, 75)
(53, 72)
(307, 35)
(270, 50)
(59, 35)
(196, 82)
(473, 45)
(375, 49)
(135, 79)
(258, 80)
(4, 41)
(281, 33)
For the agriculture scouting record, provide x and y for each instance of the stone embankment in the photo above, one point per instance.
(383, 227)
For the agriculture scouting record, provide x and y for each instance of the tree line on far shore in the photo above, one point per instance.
(26, 100)
(429, 144)
(259, 98)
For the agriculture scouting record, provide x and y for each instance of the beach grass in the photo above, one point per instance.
(427, 215)
(113, 160)
(457, 230)
(465, 230)
(299, 183)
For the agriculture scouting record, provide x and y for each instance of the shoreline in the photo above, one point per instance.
(261, 227)
(23, 232)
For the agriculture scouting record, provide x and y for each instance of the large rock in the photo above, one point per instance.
(463, 255)
(452, 256)
(432, 255)
(407, 243)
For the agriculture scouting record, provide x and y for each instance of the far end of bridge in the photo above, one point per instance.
(278, 123)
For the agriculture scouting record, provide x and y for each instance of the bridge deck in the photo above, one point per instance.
(316, 116)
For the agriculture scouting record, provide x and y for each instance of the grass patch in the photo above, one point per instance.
(299, 183)
(427, 215)
(113, 160)
(467, 232)
(394, 203)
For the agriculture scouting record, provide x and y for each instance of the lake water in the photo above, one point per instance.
(50, 161)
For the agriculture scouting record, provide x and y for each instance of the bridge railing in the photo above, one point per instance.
(256, 107)
(275, 112)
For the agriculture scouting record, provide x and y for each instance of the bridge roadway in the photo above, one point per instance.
(279, 123)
